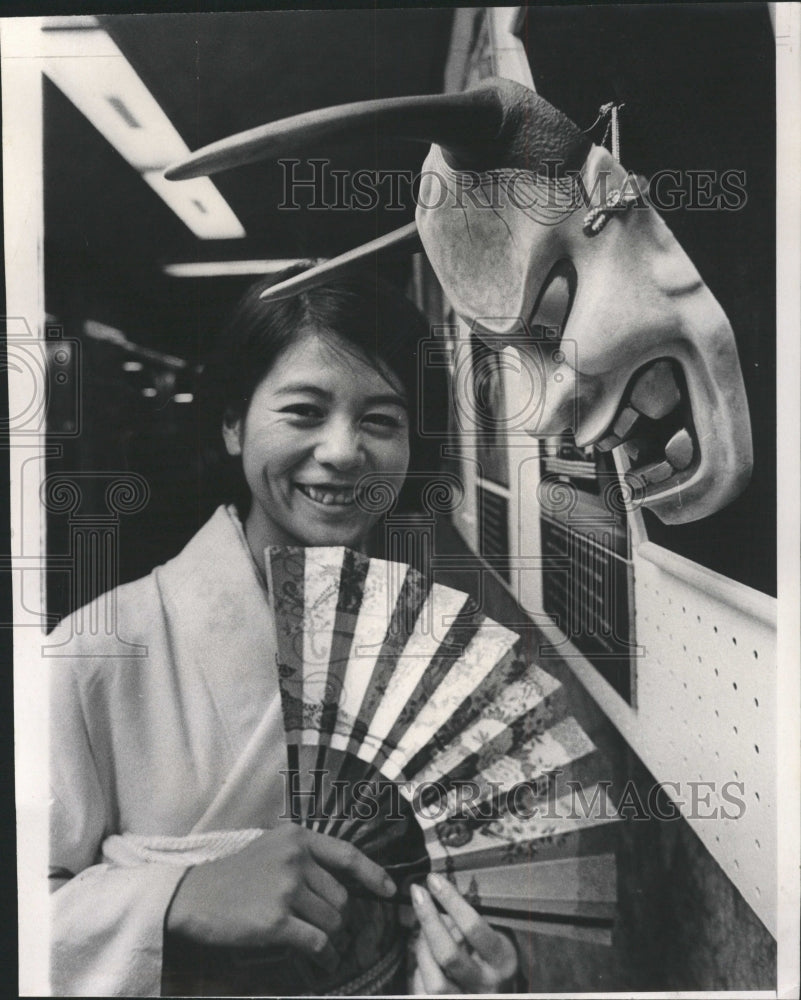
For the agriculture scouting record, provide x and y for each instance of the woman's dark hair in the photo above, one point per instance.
(366, 312)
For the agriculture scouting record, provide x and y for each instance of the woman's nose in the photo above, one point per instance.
(339, 445)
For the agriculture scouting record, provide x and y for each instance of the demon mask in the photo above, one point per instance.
(534, 232)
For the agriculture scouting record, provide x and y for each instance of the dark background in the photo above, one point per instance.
(697, 84)
(107, 234)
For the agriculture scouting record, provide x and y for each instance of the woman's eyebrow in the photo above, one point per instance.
(386, 399)
(315, 390)
(380, 399)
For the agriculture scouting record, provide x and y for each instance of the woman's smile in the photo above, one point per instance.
(329, 496)
(320, 419)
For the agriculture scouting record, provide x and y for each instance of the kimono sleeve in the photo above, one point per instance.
(107, 922)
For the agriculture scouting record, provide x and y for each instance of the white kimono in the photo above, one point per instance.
(186, 739)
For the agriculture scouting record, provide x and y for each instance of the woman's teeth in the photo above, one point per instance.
(329, 497)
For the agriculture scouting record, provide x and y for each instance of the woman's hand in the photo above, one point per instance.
(279, 891)
(458, 951)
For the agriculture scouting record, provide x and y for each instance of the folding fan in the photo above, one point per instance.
(417, 729)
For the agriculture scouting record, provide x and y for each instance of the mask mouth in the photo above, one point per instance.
(654, 427)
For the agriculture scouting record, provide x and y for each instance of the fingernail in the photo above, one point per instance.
(435, 881)
(416, 893)
(389, 886)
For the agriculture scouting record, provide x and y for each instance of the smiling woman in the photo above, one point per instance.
(323, 415)
(319, 419)
(313, 392)
(174, 867)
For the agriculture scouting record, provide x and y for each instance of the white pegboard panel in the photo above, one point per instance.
(706, 684)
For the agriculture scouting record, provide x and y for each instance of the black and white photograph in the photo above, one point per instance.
(404, 456)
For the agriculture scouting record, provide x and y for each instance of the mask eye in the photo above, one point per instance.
(555, 300)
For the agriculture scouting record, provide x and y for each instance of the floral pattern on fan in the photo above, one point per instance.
(388, 677)
(458, 833)
(560, 829)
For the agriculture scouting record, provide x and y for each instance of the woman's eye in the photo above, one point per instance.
(307, 411)
(384, 420)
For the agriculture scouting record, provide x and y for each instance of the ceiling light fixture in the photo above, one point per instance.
(218, 268)
(198, 204)
(89, 68)
(110, 335)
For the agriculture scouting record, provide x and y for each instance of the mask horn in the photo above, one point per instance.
(498, 124)
(406, 240)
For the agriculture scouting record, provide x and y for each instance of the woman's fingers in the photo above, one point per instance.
(315, 910)
(249, 898)
(449, 922)
(311, 941)
(451, 957)
(429, 977)
(326, 886)
(349, 860)
(493, 947)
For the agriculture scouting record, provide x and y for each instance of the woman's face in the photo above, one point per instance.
(319, 420)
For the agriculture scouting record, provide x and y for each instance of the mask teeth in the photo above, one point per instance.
(654, 427)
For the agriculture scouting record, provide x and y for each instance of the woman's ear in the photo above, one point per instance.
(232, 433)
